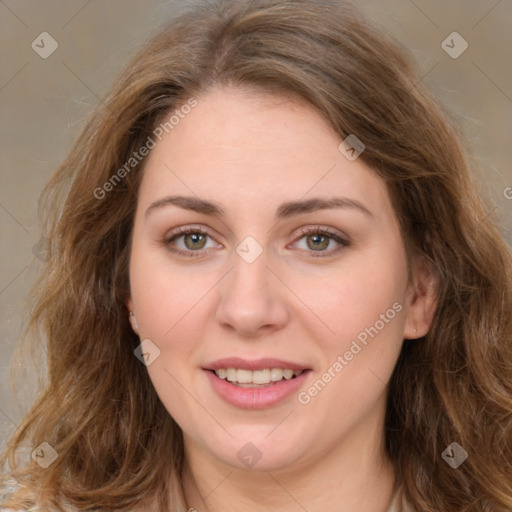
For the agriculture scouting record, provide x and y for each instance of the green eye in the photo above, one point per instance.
(319, 239)
(192, 242)
(188, 242)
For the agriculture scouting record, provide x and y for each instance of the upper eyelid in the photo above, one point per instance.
(298, 232)
(320, 229)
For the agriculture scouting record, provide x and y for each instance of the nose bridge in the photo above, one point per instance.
(249, 296)
(250, 266)
(251, 274)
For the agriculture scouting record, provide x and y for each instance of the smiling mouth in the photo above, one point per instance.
(257, 378)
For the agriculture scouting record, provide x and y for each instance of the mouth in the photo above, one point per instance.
(255, 384)
(257, 378)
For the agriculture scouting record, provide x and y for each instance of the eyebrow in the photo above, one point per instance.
(285, 210)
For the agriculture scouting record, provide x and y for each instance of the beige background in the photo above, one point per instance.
(44, 103)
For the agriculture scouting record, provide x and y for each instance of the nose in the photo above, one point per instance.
(252, 299)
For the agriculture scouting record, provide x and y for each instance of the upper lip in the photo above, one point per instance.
(255, 364)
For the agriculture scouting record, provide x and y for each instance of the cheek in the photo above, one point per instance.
(364, 309)
(167, 296)
(169, 303)
(355, 298)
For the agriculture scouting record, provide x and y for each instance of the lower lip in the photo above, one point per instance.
(256, 398)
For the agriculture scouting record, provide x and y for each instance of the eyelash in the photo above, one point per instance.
(303, 232)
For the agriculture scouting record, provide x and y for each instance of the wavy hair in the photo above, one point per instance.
(98, 408)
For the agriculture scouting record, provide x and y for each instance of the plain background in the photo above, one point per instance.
(45, 102)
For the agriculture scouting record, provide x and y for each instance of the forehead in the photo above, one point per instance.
(240, 144)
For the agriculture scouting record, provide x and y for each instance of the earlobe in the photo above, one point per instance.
(131, 317)
(423, 296)
(133, 322)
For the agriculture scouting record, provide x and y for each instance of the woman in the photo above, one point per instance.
(271, 284)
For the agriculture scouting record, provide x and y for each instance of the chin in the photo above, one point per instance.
(260, 449)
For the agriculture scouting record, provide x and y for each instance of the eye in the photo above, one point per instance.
(188, 241)
(318, 239)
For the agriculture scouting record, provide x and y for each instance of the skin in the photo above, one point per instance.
(251, 152)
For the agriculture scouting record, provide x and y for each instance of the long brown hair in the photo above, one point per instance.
(99, 410)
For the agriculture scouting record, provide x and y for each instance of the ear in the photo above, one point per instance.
(131, 315)
(422, 297)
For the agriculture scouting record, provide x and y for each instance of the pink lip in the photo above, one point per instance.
(257, 364)
(256, 398)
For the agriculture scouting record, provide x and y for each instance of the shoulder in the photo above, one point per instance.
(8, 487)
(398, 503)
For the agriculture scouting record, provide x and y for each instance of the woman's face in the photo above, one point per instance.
(294, 262)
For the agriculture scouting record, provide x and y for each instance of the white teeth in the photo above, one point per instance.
(276, 374)
(256, 377)
(261, 376)
(244, 376)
